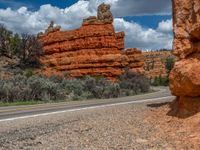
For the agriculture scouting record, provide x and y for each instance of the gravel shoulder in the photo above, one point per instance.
(135, 126)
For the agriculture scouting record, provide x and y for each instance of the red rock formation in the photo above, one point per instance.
(135, 60)
(185, 77)
(155, 63)
(93, 49)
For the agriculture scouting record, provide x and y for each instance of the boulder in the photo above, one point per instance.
(104, 14)
(185, 78)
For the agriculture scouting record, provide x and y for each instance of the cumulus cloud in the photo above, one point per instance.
(165, 26)
(23, 20)
(144, 38)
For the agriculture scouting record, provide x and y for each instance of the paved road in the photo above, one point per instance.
(22, 112)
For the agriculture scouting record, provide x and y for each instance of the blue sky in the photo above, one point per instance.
(150, 21)
(35, 4)
(151, 18)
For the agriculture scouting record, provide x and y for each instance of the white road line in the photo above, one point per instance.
(86, 108)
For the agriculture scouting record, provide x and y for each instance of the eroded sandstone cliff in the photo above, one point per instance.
(135, 60)
(185, 77)
(94, 49)
(155, 63)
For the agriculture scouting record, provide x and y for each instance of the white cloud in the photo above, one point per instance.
(143, 38)
(22, 10)
(25, 21)
(22, 20)
(165, 26)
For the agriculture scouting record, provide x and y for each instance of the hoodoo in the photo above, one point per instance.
(185, 77)
(94, 49)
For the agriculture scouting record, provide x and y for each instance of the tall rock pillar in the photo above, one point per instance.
(185, 77)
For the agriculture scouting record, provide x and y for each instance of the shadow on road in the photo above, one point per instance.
(156, 105)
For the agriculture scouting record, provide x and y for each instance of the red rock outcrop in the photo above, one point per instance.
(93, 49)
(135, 60)
(185, 77)
(155, 63)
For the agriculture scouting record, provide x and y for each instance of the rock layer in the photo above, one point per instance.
(155, 63)
(185, 77)
(93, 49)
(135, 60)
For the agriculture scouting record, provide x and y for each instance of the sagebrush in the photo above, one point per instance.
(38, 88)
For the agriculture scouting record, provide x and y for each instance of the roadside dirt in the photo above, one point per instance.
(138, 126)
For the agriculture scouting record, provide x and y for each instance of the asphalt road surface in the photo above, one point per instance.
(23, 112)
(137, 122)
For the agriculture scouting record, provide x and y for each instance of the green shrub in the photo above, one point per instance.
(28, 72)
(15, 44)
(14, 89)
(161, 81)
(44, 89)
(112, 91)
(135, 83)
(28, 87)
(34, 88)
(101, 88)
(169, 64)
(74, 87)
(156, 82)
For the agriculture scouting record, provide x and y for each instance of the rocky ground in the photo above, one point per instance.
(138, 126)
